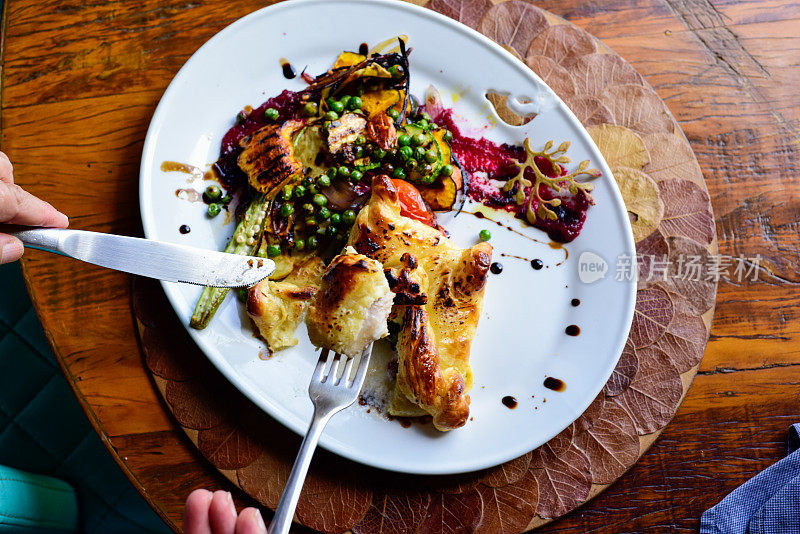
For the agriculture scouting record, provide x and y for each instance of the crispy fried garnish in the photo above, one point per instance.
(380, 129)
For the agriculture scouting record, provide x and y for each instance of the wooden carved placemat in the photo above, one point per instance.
(670, 210)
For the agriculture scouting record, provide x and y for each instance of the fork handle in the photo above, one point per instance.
(291, 493)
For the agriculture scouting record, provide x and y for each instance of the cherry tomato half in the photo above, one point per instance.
(411, 203)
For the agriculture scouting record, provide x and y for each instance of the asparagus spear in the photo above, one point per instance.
(244, 241)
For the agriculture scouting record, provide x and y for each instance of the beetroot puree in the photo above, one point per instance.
(500, 162)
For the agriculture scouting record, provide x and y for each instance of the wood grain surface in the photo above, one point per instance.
(80, 82)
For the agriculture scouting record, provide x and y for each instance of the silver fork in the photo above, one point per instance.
(330, 394)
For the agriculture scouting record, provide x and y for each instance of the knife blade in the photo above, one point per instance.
(145, 257)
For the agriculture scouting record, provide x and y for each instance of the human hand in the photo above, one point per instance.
(215, 513)
(20, 207)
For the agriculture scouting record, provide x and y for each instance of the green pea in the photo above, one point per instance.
(323, 181)
(287, 209)
(403, 140)
(349, 216)
(343, 171)
(359, 153)
(308, 207)
(355, 103)
(331, 231)
(271, 114)
(299, 191)
(425, 116)
(423, 124)
(431, 156)
(485, 235)
(299, 244)
(312, 242)
(393, 114)
(330, 101)
(345, 100)
(332, 116)
(310, 109)
(420, 152)
(213, 210)
(313, 189)
(326, 125)
(273, 250)
(287, 192)
(412, 164)
(331, 173)
(446, 170)
(399, 172)
(241, 117)
(320, 200)
(360, 140)
(356, 176)
(337, 107)
(336, 218)
(419, 140)
(406, 151)
(213, 193)
(448, 136)
(311, 221)
(379, 153)
(241, 294)
(324, 213)
(396, 71)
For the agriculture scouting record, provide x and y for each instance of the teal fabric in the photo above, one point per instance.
(43, 429)
(36, 503)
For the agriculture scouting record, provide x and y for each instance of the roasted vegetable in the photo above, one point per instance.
(442, 193)
(377, 102)
(344, 131)
(268, 155)
(244, 241)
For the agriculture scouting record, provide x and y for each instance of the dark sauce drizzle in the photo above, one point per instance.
(496, 268)
(184, 229)
(289, 71)
(572, 330)
(537, 264)
(509, 402)
(554, 383)
(363, 49)
(575, 302)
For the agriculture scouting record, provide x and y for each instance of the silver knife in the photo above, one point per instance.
(144, 257)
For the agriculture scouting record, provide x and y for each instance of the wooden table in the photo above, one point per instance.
(81, 81)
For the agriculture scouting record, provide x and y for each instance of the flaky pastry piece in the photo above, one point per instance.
(350, 310)
(434, 343)
(278, 308)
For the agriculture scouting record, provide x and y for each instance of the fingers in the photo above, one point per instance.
(10, 249)
(195, 516)
(6, 169)
(222, 513)
(250, 522)
(17, 206)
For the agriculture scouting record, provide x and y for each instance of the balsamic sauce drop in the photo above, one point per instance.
(288, 70)
(572, 330)
(496, 268)
(575, 302)
(363, 49)
(184, 229)
(554, 383)
(509, 402)
(537, 264)
(479, 215)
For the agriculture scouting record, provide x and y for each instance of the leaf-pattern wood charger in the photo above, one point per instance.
(637, 134)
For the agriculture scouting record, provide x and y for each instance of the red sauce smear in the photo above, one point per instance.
(500, 162)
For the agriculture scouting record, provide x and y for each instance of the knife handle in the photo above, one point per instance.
(48, 239)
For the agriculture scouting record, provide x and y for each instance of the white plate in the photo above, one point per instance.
(520, 337)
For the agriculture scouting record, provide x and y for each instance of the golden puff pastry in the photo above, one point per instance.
(434, 343)
(350, 310)
(277, 308)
